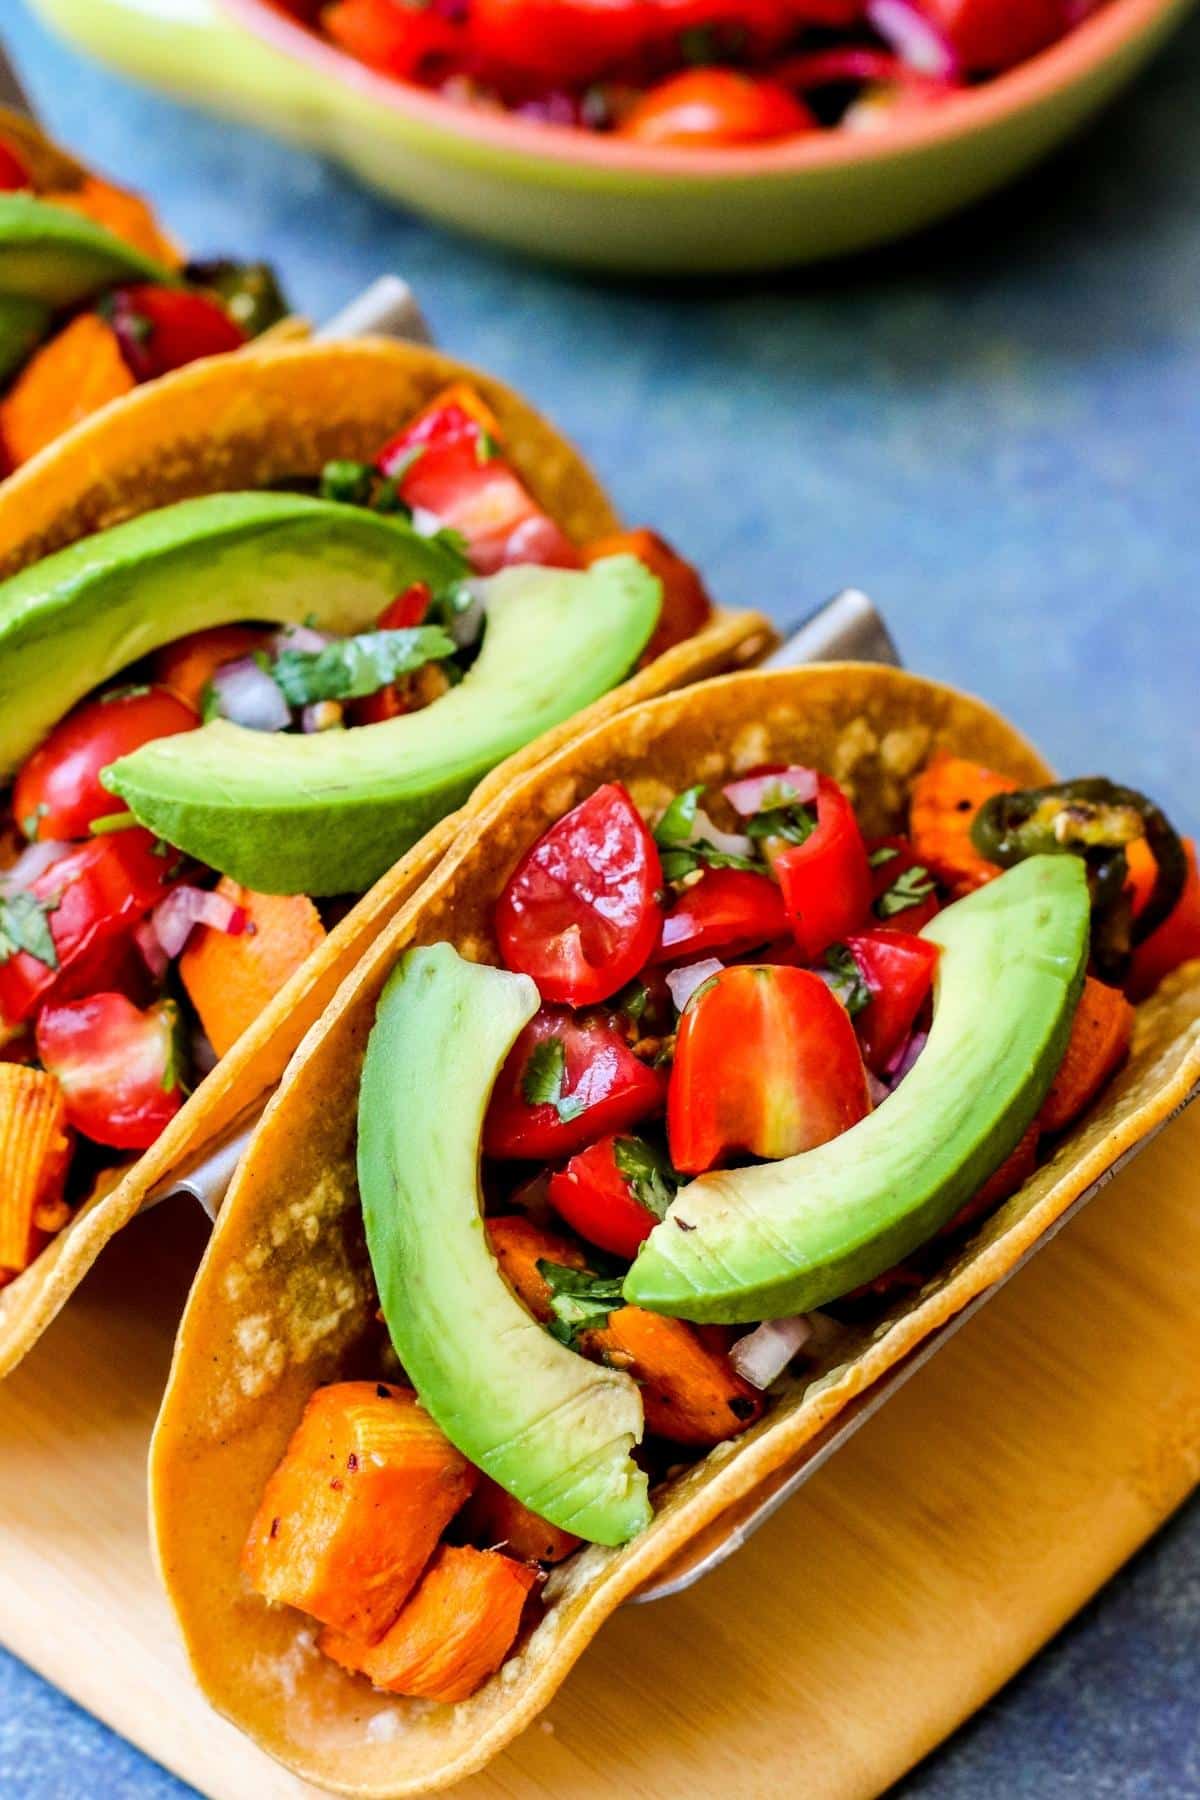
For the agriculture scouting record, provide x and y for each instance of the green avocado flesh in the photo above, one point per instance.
(784, 1237)
(60, 258)
(331, 812)
(554, 1430)
(80, 616)
(24, 322)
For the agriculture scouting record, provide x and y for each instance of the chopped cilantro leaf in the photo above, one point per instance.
(579, 1300)
(486, 447)
(910, 887)
(25, 925)
(794, 823)
(351, 667)
(131, 691)
(848, 982)
(681, 857)
(31, 823)
(653, 1182)
(676, 824)
(886, 853)
(632, 1000)
(544, 1078)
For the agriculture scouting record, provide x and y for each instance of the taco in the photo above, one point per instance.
(95, 298)
(355, 578)
(772, 1022)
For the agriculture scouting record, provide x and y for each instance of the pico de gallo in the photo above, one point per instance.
(126, 968)
(695, 73)
(126, 333)
(739, 979)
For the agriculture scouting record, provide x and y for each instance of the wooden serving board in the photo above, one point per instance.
(915, 1573)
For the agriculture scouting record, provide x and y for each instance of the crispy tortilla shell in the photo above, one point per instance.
(264, 417)
(284, 1296)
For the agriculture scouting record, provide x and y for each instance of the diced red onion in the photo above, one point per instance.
(915, 38)
(299, 637)
(31, 863)
(246, 695)
(878, 1090)
(465, 626)
(764, 1353)
(730, 843)
(174, 917)
(425, 523)
(151, 951)
(684, 982)
(749, 795)
(905, 1056)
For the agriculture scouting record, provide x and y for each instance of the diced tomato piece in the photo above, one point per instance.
(728, 911)
(686, 607)
(58, 793)
(990, 35)
(403, 40)
(595, 1084)
(713, 108)
(1177, 939)
(449, 463)
(596, 1194)
(163, 328)
(826, 880)
(407, 609)
(92, 898)
(117, 1067)
(766, 1064)
(898, 968)
(13, 173)
(886, 870)
(579, 912)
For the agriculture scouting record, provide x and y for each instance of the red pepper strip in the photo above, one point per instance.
(826, 880)
(766, 1064)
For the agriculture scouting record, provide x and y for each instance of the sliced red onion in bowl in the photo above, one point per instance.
(764, 1353)
(247, 695)
(907, 28)
(31, 863)
(752, 793)
(684, 982)
(174, 917)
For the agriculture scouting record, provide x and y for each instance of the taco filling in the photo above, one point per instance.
(94, 298)
(180, 843)
(745, 1073)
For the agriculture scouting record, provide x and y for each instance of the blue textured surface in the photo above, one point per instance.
(995, 431)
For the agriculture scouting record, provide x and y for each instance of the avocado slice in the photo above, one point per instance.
(330, 813)
(782, 1238)
(24, 322)
(58, 257)
(554, 1430)
(81, 615)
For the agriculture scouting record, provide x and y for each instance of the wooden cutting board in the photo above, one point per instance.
(910, 1578)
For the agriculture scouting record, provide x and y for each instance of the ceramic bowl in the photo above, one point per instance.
(627, 208)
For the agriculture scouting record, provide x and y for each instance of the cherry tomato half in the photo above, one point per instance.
(826, 880)
(597, 1085)
(449, 463)
(116, 1065)
(766, 1064)
(161, 328)
(58, 793)
(898, 968)
(597, 1194)
(715, 108)
(728, 911)
(686, 607)
(579, 911)
(92, 897)
(13, 173)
